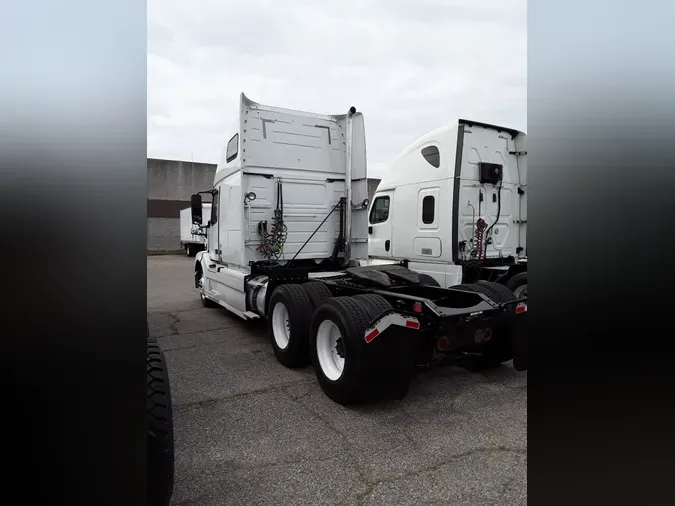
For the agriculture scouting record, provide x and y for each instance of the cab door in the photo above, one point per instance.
(379, 225)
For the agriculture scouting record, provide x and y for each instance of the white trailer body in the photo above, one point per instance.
(441, 190)
(191, 241)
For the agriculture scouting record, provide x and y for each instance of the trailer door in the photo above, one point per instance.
(380, 225)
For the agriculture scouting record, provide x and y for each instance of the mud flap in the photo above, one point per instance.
(519, 336)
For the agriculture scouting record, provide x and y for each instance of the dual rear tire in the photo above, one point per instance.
(307, 325)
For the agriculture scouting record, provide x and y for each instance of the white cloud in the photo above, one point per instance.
(408, 66)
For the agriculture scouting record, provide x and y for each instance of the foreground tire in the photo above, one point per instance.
(317, 293)
(518, 285)
(427, 280)
(159, 427)
(289, 318)
(337, 348)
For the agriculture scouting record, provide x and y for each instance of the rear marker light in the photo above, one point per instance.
(412, 324)
(372, 335)
(417, 307)
(521, 308)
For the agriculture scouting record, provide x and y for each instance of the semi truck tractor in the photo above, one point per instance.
(453, 207)
(287, 241)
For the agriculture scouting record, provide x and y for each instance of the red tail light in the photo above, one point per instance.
(417, 307)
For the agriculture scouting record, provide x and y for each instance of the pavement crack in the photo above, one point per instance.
(210, 402)
(173, 326)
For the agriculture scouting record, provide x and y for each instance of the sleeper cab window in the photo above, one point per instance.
(232, 150)
(432, 155)
(380, 210)
(428, 208)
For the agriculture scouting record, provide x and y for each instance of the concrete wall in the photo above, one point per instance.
(170, 184)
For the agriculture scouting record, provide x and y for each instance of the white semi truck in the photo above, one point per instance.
(192, 239)
(453, 206)
(287, 240)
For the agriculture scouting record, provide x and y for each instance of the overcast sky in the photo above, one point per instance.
(408, 65)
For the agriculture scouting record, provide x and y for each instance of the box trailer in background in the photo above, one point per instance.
(192, 239)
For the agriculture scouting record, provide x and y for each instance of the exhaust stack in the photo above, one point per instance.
(348, 185)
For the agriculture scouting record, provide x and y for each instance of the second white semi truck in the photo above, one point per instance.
(453, 206)
(287, 240)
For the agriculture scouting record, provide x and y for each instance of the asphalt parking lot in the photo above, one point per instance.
(249, 431)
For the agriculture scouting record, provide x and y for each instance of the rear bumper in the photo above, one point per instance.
(394, 326)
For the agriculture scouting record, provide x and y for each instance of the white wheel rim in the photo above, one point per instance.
(328, 338)
(281, 326)
(521, 291)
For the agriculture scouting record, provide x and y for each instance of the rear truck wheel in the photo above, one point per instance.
(337, 348)
(317, 293)
(375, 304)
(290, 314)
(499, 349)
(190, 249)
(500, 292)
(159, 427)
(348, 369)
(427, 280)
(518, 285)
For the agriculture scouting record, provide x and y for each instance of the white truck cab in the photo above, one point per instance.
(453, 206)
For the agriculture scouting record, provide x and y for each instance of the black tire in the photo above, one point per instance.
(159, 421)
(499, 291)
(351, 318)
(375, 304)
(190, 250)
(517, 284)
(477, 288)
(317, 293)
(299, 310)
(427, 280)
(379, 370)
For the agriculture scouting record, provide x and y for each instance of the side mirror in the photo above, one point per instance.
(196, 205)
